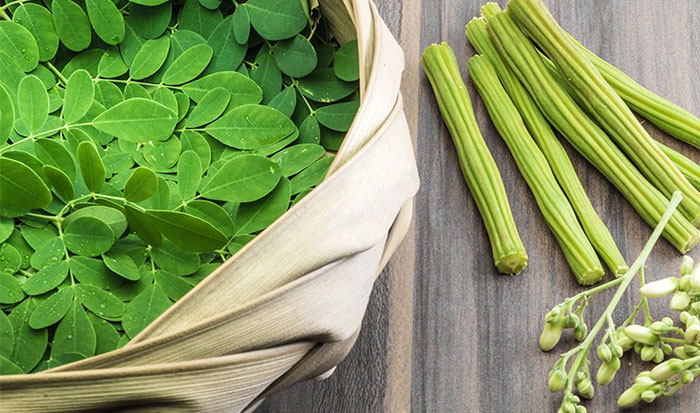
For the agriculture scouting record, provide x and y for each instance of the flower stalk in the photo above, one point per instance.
(554, 152)
(478, 166)
(553, 204)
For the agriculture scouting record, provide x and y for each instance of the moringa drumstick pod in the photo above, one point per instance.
(553, 204)
(604, 104)
(663, 113)
(583, 133)
(553, 150)
(478, 167)
(689, 168)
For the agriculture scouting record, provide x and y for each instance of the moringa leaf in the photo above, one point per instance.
(60, 182)
(212, 105)
(123, 265)
(149, 58)
(80, 91)
(53, 152)
(187, 231)
(28, 189)
(52, 310)
(91, 166)
(137, 120)
(88, 236)
(72, 25)
(241, 25)
(173, 286)
(198, 19)
(111, 216)
(107, 20)
(212, 213)
(255, 216)
(294, 159)
(338, 116)
(32, 103)
(149, 21)
(276, 19)
(295, 57)
(106, 335)
(29, 344)
(46, 279)
(143, 226)
(346, 63)
(7, 113)
(142, 184)
(145, 308)
(74, 333)
(111, 65)
(189, 174)
(102, 303)
(19, 44)
(245, 178)
(190, 64)
(10, 259)
(39, 21)
(311, 176)
(285, 101)
(243, 90)
(322, 85)
(228, 53)
(251, 127)
(10, 289)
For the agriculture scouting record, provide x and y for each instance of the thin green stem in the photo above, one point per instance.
(57, 72)
(4, 15)
(295, 84)
(10, 4)
(46, 217)
(645, 302)
(148, 84)
(43, 134)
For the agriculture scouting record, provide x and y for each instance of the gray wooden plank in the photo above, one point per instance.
(443, 331)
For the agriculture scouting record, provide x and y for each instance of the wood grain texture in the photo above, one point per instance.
(443, 331)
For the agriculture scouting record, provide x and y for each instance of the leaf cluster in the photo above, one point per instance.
(143, 143)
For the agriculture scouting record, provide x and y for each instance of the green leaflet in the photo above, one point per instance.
(51, 253)
(111, 65)
(245, 178)
(212, 213)
(8, 335)
(276, 19)
(60, 182)
(187, 231)
(52, 310)
(19, 44)
(10, 289)
(100, 302)
(74, 333)
(199, 19)
(241, 25)
(106, 20)
(324, 86)
(94, 272)
(122, 265)
(149, 22)
(88, 236)
(91, 166)
(243, 90)
(189, 174)
(29, 191)
(143, 226)
(338, 116)
(78, 97)
(295, 158)
(111, 216)
(346, 64)
(107, 337)
(228, 53)
(285, 101)
(209, 108)
(10, 259)
(188, 65)
(39, 21)
(53, 152)
(7, 113)
(311, 176)
(173, 286)
(7, 225)
(149, 58)
(137, 120)
(46, 279)
(174, 260)
(142, 184)
(251, 127)
(258, 215)
(29, 344)
(267, 75)
(32, 103)
(295, 57)
(144, 308)
(72, 25)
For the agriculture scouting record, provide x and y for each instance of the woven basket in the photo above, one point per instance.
(289, 305)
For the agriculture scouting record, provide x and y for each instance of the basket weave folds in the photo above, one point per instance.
(289, 305)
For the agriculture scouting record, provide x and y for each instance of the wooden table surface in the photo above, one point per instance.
(443, 331)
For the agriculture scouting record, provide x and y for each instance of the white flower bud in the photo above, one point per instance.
(606, 372)
(686, 265)
(649, 396)
(695, 279)
(680, 301)
(687, 377)
(666, 370)
(630, 397)
(641, 334)
(660, 288)
(659, 327)
(692, 334)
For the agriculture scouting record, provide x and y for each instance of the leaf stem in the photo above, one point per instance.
(57, 72)
(10, 4)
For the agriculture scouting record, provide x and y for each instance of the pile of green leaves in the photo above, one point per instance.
(142, 144)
